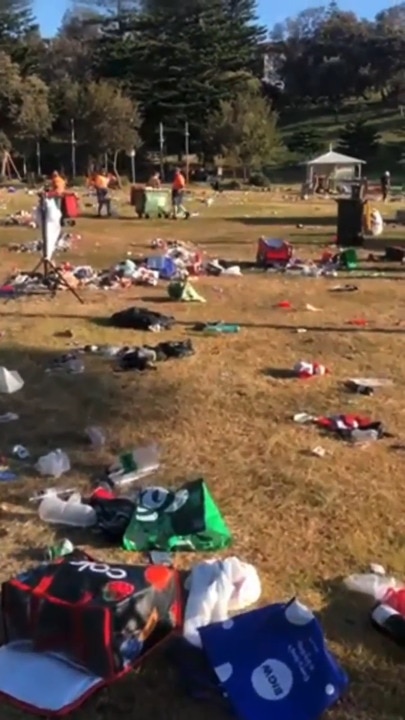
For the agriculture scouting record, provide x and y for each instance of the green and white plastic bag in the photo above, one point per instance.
(183, 519)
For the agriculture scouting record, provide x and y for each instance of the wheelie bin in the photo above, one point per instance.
(151, 203)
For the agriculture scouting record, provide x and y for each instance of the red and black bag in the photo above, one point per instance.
(99, 618)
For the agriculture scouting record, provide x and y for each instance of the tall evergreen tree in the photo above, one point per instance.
(181, 60)
(16, 19)
(19, 34)
(104, 8)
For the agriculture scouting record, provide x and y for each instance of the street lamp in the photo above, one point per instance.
(132, 155)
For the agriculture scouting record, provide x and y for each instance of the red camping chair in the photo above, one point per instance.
(273, 251)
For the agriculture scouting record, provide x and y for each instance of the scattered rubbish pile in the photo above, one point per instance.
(143, 357)
(64, 243)
(277, 255)
(388, 601)
(355, 428)
(74, 624)
(52, 666)
(22, 218)
(148, 603)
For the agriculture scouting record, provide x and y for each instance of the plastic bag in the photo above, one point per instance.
(373, 585)
(217, 588)
(273, 662)
(133, 465)
(54, 464)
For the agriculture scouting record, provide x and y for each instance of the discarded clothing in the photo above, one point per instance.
(171, 520)
(145, 357)
(174, 349)
(345, 425)
(141, 359)
(113, 515)
(136, 318)
(216, 589)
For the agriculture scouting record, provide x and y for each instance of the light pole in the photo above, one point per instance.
(132, 155)
(161, 147)
(187, 149)
(38, 152)
(73, 147)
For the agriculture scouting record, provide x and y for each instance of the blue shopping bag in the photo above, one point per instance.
(273, 663)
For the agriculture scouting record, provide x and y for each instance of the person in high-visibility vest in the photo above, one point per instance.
(178, 189)
(58, 183)
(101, 184)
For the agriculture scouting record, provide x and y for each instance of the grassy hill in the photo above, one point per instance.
(384, 119)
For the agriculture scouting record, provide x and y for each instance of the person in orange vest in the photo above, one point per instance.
(178, 189)
(101, 183)
(58, 183)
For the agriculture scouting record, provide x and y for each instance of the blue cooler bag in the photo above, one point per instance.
(273, 663)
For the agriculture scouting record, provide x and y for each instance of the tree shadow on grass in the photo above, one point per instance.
(376, 671)
(155, 690)
(279, 373)
(288, 220)
(54, 410)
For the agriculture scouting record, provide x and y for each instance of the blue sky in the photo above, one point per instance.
(49, 14)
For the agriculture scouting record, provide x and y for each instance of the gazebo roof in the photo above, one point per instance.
(334, 158)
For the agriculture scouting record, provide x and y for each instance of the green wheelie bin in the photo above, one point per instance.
(151, 203)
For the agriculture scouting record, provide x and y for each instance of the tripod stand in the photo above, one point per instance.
(49, 268)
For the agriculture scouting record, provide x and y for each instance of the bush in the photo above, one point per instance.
(259, 180)
(231, 185)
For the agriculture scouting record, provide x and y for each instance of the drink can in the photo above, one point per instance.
(64, 547)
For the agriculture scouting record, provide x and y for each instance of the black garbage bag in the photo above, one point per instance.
(135, 318)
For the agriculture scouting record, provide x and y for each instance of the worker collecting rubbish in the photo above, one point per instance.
(178, 189)
(101, 184)
(58, 183)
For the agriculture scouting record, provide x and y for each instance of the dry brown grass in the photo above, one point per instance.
(304, 522)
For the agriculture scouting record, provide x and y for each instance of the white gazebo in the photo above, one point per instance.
(334, 166)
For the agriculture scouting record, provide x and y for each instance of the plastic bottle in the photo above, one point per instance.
(221, 328)
(96, 436)
(67, 512)
(360, 437)
(133, 465)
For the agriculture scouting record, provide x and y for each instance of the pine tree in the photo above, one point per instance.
(16, 19)
(104, 8)
(182, 59)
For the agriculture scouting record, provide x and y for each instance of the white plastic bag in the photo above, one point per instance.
(217, 588)
(371, 584)
(54, 464)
